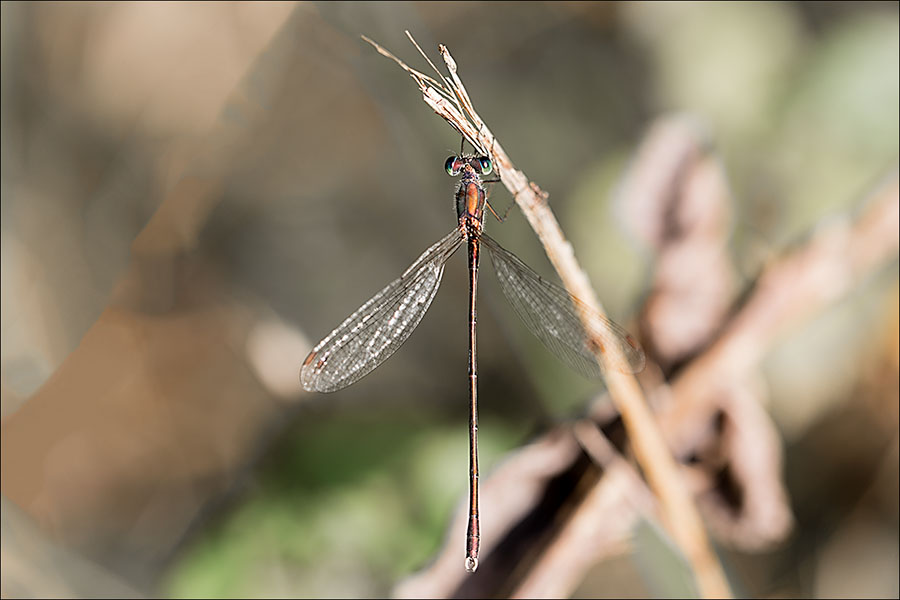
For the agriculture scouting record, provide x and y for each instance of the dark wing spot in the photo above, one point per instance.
(595, 346)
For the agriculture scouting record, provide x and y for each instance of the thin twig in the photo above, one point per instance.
(679, 514)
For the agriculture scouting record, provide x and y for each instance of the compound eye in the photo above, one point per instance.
(486, 165)
(452, 166)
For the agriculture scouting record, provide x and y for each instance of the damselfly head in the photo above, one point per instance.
(481, 164)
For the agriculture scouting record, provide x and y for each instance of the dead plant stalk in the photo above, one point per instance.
(450, 100)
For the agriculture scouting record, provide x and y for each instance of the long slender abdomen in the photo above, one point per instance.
(473, 537)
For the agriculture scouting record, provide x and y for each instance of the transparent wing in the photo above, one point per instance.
(552, 315)
(380, 326)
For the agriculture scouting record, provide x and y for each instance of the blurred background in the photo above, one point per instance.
(194, 193)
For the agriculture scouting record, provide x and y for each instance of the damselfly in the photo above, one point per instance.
(380, 326)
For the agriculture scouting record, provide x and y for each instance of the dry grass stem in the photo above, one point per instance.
(679, 514)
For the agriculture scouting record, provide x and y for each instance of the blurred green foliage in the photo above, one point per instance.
(342, 507)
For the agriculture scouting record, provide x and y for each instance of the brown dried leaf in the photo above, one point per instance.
(737, 472)
(675, 198)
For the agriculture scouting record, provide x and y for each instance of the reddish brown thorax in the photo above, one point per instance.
(473, 199)
(470, 194)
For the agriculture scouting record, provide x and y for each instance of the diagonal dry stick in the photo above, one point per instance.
(450, 100)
